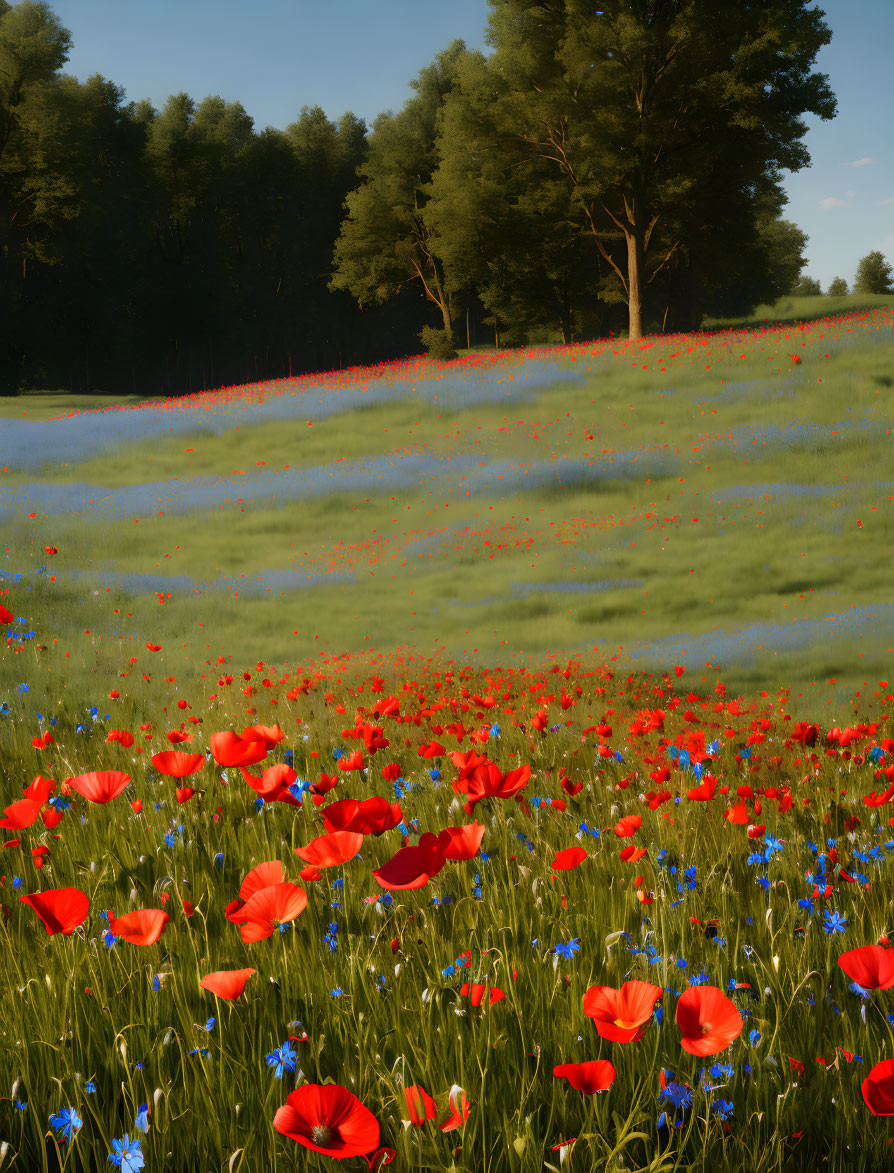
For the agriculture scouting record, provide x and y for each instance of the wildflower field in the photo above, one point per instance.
(337, 830)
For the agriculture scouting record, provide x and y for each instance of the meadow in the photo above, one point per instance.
(526, 847)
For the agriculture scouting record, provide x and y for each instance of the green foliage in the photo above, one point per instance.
(439, 344)
(837, 287)
(807, 287)
(873, 274)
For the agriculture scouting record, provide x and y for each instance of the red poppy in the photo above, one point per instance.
(272, 906)
(142, 927)
(878, 1088)
(40, 789)
(476, 992)
(870, 966)
(272, 782)
(459, 1111)
(420, 1105)
(328, 1119)
(373, 816)
(269, 735)
(20, 814)
(100, 785)
(632, 854)
(463, 842)
(622, 1015)
(411, 867)
(60, 909)
(226, 983)
(328, 851)
(708, 1019)
(570, 858)
(258, 878)
(5, 616)
(628, 826)
(595, 1076)
(229, 749)
(175, 764)
(184, 794)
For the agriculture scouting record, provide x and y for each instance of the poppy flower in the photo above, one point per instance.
(633, 854)
(459, 1111)
(476, 992)
(628, 826)
(570, 858)
(20, 814)
(411, 867)
(258, 878)
(878, 1089)
(60, 909)
(589, 1078)
(622, 1016)
(229, 750)
(272, 782)
(420, 1105)
(373, 816)
(175, 764)
(463, 842)
(100, 785)
(328, 1119)
(142, 927)
(870, 966)
(269, 735)
(328, 851)
(272, 906)
(226, 983)
(708, 1019)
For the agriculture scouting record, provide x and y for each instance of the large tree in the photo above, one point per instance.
(658, 114)
(385, 241)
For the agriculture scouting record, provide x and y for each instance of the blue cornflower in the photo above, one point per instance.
(722, 1108)
(337, 992)
(126, 1155)
(725, 1069)
(568, 951)
(68, 1121)
(219, 861)
(678, 1094)
(283, 1059)
(834, 922)
(754, 1038)
(142, 1120)
(90, 1086)
(860, 990)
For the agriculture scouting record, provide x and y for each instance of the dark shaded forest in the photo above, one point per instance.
(164, 252)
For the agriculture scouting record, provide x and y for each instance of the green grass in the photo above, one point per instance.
(315, 661)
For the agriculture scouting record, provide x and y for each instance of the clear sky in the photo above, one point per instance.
(274, 56)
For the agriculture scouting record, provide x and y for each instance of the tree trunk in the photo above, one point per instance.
(635, 272)
(467, 327)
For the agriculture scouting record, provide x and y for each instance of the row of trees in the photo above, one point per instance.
(601, 171)
(873, 276)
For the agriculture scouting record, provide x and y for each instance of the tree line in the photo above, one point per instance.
(599, 172)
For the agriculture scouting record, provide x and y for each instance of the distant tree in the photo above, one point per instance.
(873, 275)
(837, 287)
(806, 287)
(385, 241)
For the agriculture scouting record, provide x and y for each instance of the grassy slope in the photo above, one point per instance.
(741, 563)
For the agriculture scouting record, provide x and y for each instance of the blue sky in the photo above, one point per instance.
(274, 56)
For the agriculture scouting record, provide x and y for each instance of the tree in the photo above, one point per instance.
(648, 108)
(837, 287)
(807, 287)
(873, 275)
(385, 241)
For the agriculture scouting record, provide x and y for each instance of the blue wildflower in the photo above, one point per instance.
(283, 1059)
(126, 1155)
(142, 1120)
(834, 922)
(568, 951)
(68, 1121)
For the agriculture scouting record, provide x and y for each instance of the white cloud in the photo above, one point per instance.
(867, 161)
(890, 201)
(832, 202)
